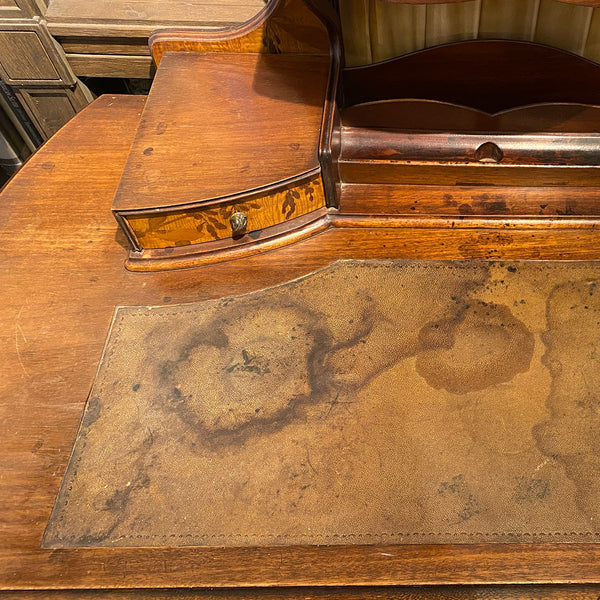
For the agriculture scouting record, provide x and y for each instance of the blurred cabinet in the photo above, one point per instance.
(45, 45)
(21, 8)
(36, 70)
(109, 38)
(18, 136)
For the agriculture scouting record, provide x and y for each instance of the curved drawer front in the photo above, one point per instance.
(210, 222)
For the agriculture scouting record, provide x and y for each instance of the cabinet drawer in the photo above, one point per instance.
(210, 222)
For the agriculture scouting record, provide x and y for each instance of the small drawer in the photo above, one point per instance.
(235, 219)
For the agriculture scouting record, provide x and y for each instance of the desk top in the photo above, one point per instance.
(256, 121)
(61, 277)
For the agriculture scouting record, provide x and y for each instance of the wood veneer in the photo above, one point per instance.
(208, 223)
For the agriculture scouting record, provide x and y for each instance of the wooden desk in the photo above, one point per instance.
(62, 274)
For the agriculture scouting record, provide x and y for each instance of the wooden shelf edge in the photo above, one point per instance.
(319, 221)
(185, 257)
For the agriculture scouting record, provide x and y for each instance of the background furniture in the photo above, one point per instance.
(34, 66)
(46, 46)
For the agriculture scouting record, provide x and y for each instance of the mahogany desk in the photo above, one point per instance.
(62, 273)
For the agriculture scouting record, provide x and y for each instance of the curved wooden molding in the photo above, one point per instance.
(185, 257)
(207, 222)
(284, 26)
(320, 221)
(391, 146)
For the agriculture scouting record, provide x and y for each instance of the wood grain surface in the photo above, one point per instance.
(469, 200)
(61, 277)
(284, 26)
(457, 173)
(112, 65)
(255, 121)
(25, 58)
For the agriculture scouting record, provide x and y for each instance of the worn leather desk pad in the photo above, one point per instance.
(369, 402)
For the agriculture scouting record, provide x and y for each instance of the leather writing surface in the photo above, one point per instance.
(369, 402)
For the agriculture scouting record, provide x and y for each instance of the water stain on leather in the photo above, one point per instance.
(482, 346)
(249, 371)
(572, 433)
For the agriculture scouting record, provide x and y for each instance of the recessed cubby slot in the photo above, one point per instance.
(499, 113)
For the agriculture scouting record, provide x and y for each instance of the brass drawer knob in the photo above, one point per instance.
(239, 222)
